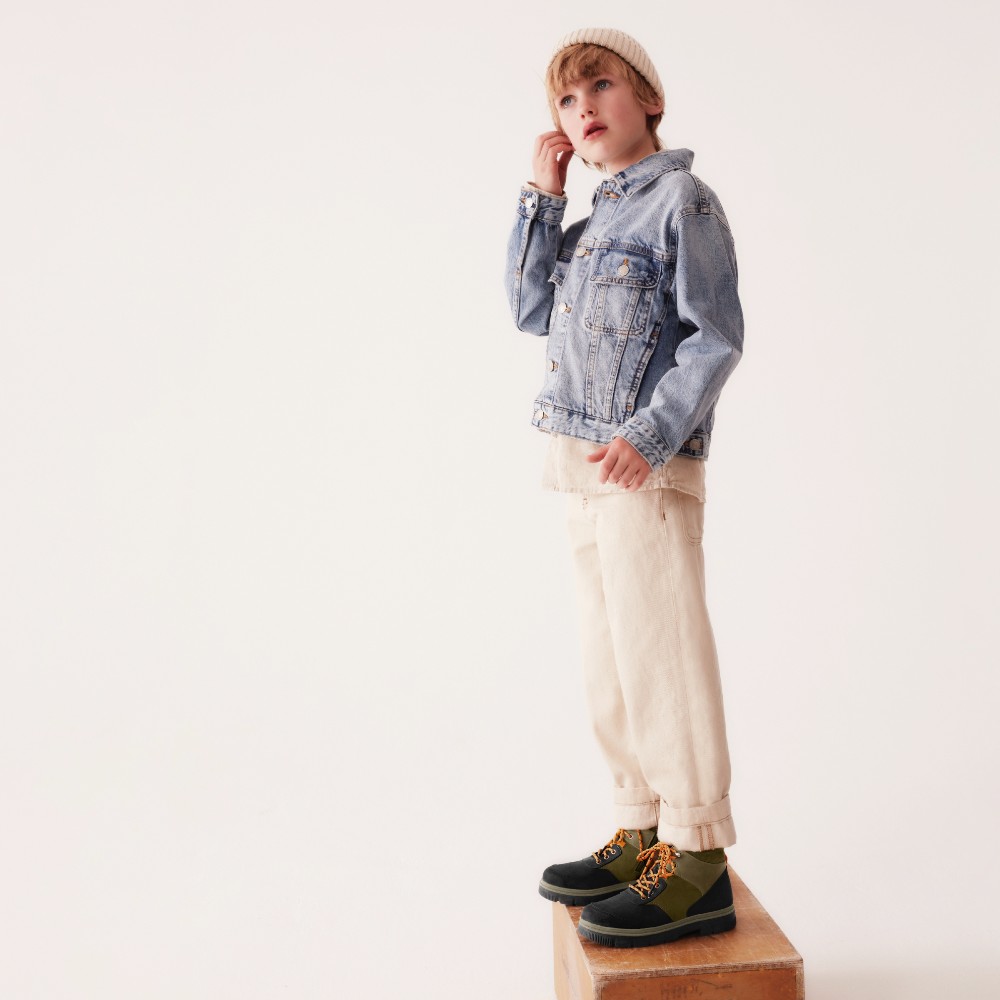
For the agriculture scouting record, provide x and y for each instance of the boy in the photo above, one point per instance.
(639, 303)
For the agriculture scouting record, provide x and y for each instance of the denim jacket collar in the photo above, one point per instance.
(633, 177)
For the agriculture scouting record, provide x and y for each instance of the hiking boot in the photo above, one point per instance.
(604, 874)
(678, 893)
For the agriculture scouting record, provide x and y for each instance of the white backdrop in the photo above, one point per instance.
(290, 696)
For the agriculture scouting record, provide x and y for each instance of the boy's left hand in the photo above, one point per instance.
(621, 463)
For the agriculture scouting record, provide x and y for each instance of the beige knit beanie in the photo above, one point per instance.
(619, 43)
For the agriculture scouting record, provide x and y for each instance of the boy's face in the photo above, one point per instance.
(605, 121)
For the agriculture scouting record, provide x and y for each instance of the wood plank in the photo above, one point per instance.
(753, 962)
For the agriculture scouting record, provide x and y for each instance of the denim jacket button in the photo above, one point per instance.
(564, 307)
(540, 414)
(581, 251)
(553, 365)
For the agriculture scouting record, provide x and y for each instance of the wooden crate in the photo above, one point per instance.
(753, 962)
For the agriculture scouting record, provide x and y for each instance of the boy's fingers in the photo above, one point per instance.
(613, 468)
(640, 478)
(564, 167)
(596, 456)
(552, 153)
(632, 478)
(548, 137)
(554, 139)
(555, 152)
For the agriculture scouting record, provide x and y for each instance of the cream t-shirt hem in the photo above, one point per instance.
(567, 470)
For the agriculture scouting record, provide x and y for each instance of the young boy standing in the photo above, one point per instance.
(639, 303)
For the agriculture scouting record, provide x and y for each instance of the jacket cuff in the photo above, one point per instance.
(535, 187)
(646, 441)
(537, 204)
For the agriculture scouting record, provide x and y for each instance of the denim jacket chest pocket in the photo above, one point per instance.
(622, 288)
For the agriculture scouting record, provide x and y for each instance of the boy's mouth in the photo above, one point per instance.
(593, 130)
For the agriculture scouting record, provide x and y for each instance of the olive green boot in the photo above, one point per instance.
(605, 873)
(678, 893)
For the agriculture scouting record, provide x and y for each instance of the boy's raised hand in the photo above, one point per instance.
(621, 463)
(553, 151)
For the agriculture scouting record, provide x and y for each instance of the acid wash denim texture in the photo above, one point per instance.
(639, 302)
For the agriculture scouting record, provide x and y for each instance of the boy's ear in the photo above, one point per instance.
(655, 108)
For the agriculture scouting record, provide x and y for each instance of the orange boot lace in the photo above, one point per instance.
(659, 861)
(618, 840)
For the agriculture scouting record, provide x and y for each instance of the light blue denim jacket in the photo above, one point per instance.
(639, 302)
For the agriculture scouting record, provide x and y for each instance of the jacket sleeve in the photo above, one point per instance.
(531, 258)
(711, 323)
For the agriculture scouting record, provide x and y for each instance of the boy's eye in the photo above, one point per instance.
(602, 85)
(565, 101)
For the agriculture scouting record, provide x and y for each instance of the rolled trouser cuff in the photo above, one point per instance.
(636, 808)
(699, 828)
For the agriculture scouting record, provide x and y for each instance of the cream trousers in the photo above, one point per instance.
(650, 664)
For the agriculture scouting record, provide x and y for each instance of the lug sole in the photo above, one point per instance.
(579, 897)
(716, 922)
